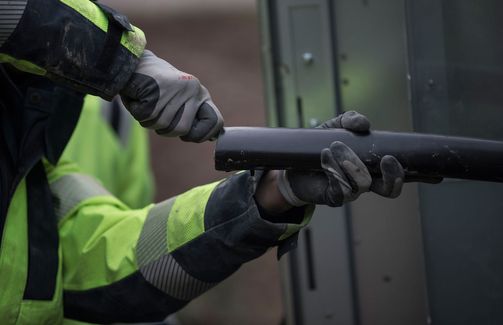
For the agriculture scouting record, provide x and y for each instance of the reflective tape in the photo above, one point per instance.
(168, 276)
(10, 14)
(134, 41)
(90, 11)
(157, 265)
(70, 190)
(152, 243)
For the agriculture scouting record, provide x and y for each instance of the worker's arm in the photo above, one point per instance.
(92, 48)
(141, 265)
(76, 42)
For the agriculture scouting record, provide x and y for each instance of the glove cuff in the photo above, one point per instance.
(287, 192)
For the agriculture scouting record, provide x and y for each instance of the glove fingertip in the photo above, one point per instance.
(342, 152)
(393, 175)
(390, 166)
(328, 160)
(325, 154)
(213, 136)
(337, 146)
(354, 121)
(359, 177)
(397, 188)
(205, 123)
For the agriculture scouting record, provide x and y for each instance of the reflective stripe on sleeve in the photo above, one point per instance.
(70, 190)
(157, 265)
(10, 14)
(168, 276)
(134, 40)
(152, 243)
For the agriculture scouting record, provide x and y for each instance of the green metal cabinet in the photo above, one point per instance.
(432, 256)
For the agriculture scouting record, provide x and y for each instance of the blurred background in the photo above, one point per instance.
(217, 41)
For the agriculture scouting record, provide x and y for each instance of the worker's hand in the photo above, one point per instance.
(171, 102)
(344, 176)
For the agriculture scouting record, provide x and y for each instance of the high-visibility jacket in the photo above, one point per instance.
(116, 152)
(69, 248)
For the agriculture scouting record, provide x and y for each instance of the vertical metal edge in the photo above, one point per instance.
(411, 68)
(295, 310)
(352, 265)
(408, 59)
(347, 208)
(286, 290)
(269, 54)
(335, 66)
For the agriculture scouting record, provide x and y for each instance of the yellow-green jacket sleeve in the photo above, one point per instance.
(141, 265)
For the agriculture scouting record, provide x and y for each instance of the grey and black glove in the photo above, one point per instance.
(344, 176)
(171, 102)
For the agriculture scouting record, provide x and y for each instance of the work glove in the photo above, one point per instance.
(171, 102)
(344, 176)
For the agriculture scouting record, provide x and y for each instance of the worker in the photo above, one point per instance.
(71, 249)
